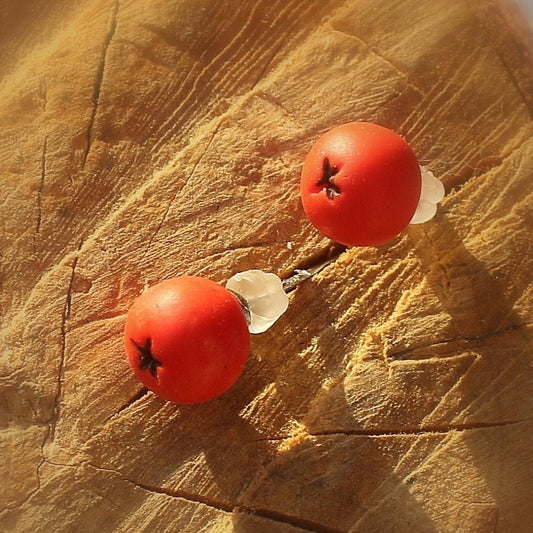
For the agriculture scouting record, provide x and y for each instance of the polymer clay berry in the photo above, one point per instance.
(187, 339)
(360, 184)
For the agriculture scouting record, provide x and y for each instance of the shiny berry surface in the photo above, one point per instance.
(187, 339)
(360, 184)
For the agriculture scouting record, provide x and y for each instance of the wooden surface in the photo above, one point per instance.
(147, 138)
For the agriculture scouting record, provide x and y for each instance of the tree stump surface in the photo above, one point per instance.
(146, 139)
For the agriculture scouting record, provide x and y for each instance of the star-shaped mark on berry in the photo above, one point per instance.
(326, 181)
(148, 361)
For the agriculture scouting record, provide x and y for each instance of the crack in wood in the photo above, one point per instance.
(37, 475)
(313, 266)
(290, 520)
(61, 371)
(400, 355)
(273, 516)
(63, 465)
(43, 93)
(424, 430)
(443, 429)
(99, 80)
(63, 330)
(219, 505)
(134, 399)
(40, 194)
(185, 495)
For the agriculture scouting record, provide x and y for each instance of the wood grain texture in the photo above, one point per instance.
(142, 139)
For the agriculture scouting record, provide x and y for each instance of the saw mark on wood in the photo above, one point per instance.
(487, 164)
(112, 504)
(409, 461)
(350, 323)
(488, 386)
(512, 384)
(515, 82)
(243, 246)
(70, 341)
(447, 90)
(217, 254)
(286, 19)
(232, 64)
(202, 81)
(475, 360)
(181, 189)
(443, 429)
(272, 100)
(103, 318)
(269, 61)
(99, 80)
(509, 70)
(373, 51)
(440, 448)
(489, 111)
(442, 445)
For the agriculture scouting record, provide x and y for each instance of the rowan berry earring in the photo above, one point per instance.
(187, 338)
(361, 185)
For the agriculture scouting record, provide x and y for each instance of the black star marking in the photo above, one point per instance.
(326, 181)
(148, 361)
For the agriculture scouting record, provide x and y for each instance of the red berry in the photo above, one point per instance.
(360, 184)
(187, 339)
